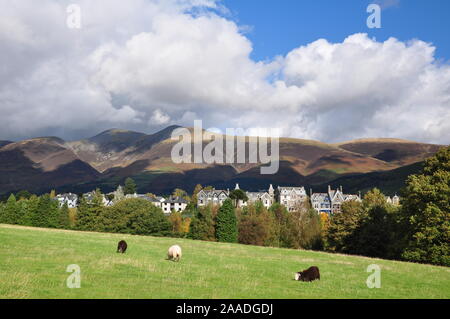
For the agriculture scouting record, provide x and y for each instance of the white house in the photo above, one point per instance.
(70, 199)
(291, 197)
(267, 198)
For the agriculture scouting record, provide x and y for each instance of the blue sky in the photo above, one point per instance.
(278, 26)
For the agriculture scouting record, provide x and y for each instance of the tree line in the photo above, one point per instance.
(418, 230)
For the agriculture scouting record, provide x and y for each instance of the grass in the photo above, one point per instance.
(33, 264)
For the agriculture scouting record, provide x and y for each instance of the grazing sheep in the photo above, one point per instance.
(122, 246)
(310, 274)
(174, 253)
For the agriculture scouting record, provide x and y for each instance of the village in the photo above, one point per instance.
(290, 197)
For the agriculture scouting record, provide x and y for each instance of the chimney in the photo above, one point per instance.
(329, 188)
(341, 189)
(310, 192)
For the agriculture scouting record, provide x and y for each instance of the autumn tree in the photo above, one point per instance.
(202, 225)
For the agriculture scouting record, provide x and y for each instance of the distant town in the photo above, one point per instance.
(289, 197)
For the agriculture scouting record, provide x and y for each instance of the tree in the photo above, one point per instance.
(226, 223)
(202, 225)
(197, 190)
(23, 194)
(135, 216)
(305, 228)
(374, 237)
(238, 195)
(255, 229)
(177, 222)
(9, 213)
(46, 213)
(130, 186)
(30, 210)
(282, 234)
(180, 193)
(63, 218)
(425, 213)
(342, 225)
(89, 212)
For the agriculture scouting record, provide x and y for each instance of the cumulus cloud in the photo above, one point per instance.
(159, 118)
(145, 64)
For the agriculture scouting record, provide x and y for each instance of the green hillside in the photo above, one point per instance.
(34, 261)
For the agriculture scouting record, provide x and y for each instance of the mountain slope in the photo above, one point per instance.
(395, 151)
(3, 143)
(41, 163)
(106, 159)
(389, 182)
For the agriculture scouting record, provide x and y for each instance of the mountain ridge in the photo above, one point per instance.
(112, 155)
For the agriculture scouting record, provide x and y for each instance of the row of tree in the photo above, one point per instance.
(35, 211)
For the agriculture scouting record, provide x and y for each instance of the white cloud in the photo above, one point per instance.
(159, 118)
(144, 64)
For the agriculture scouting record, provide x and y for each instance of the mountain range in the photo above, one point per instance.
(105, 160)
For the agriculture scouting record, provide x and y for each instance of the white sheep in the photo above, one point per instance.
(174, 253)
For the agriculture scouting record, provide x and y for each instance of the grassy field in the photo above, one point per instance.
(33, 264)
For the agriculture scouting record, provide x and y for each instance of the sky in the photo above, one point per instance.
(312, 69)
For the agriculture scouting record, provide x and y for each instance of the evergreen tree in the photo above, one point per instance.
(30, 210)
(226, 223)
(46, 213)
(130, 186)
(426, 212)
(238, 195)
(374, 237)
(89, 212)
(9, 214)
(2, 212)
(63, 220)
(23, 194)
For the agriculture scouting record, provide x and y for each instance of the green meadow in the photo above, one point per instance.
(33, 263)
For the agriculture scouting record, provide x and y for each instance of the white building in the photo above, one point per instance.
(70, 199)
(291, 197)
(267, 198)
